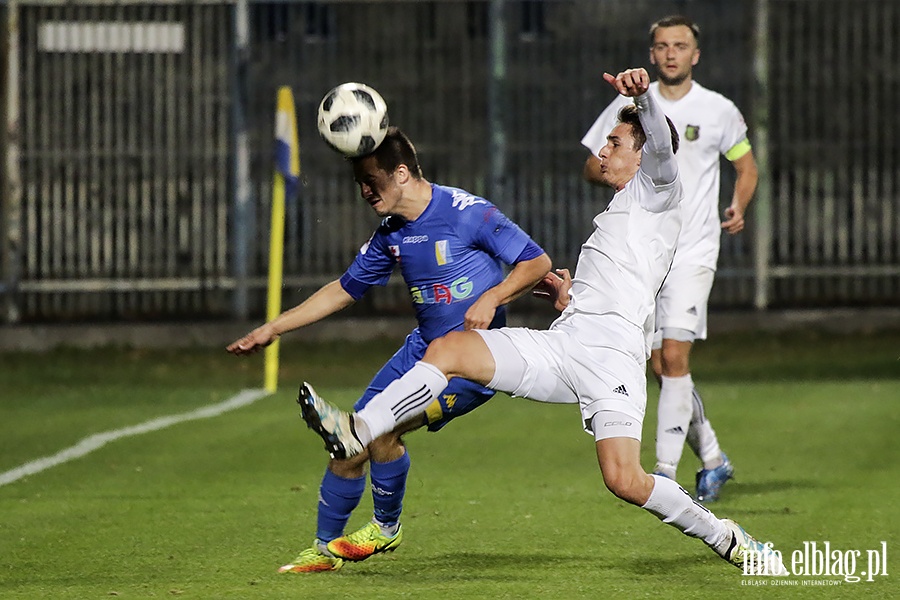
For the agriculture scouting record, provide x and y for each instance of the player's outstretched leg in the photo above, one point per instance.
(674, 506)
(332, 424)
(365, 542)
(313, 560)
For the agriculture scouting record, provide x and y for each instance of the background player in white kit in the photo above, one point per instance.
(595, 353)
(709, 125)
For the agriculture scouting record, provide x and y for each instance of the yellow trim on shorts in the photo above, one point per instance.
(738, 150)
(434, 412)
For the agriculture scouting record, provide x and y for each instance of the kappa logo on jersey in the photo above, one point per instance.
(692, 133)
(442, 252)
(395, 250)
(434, 294)
(462, 200)
(415, 239)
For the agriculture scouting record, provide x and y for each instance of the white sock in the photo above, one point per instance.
(323, 548)
(402, 400)
(701, 436)
(670, 503)
(388, 530)
(708, 446)
(675, 408)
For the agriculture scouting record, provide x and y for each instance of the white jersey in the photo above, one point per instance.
(708, 124)
(625, 260)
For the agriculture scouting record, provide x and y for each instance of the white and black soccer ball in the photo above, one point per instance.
(353, 119)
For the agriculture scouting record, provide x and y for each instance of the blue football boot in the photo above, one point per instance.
(710, 481)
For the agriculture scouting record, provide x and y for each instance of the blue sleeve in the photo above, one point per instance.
(531, 251)
(373, 265)
(496, 234)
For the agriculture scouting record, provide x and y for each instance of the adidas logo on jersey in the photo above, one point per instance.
(692, 310)
(620, 390)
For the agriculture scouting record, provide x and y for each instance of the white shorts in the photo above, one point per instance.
(605, 373)
(682, 300)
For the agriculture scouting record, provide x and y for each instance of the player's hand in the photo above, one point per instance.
(554, 288)
(481, 313)
(631, 82)
(734, 220)
(254, 341)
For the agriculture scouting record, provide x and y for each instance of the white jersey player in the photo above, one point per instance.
(710, 126)
(595, 353)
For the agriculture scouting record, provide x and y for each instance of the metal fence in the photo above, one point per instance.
(139, 136)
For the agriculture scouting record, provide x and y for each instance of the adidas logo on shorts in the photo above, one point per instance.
(620, 390)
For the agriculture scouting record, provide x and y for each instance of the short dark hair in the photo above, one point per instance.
(674, 21)
(396, 149)
(629, 115)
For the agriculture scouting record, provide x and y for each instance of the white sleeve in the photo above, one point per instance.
(735, 128)
(658, 159)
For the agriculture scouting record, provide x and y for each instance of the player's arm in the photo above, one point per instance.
(523, 276)
(373, 265)
(658, 157)
(744, 187)
(327, 300)
(554, 288)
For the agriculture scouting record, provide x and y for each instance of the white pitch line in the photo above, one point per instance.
(98, 440)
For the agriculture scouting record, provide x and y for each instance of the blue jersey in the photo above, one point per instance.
(449, 256)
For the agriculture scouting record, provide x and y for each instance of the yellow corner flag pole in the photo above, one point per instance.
(284, 185)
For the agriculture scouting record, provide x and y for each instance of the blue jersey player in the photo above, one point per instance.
(450, 247)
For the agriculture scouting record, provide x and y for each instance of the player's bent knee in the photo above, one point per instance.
(626, 484)
(444, 351)
(349, 468)
(388, 440)
(462, 354)
(387, 448)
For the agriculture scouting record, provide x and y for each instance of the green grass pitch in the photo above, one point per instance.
(505, 503)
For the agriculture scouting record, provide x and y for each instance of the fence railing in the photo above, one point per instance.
(138, 140)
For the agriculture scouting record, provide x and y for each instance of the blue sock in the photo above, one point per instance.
(388, 488)
(337, 499)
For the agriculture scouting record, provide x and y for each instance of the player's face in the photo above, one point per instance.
(376, 186)
(619, 161)
(674, 52)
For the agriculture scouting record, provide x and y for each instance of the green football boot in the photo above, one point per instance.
(365, 542)
(312, 560)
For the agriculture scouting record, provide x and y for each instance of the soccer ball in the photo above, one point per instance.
(353, 119)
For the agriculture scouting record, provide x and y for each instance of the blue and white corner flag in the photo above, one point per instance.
(287, 150)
